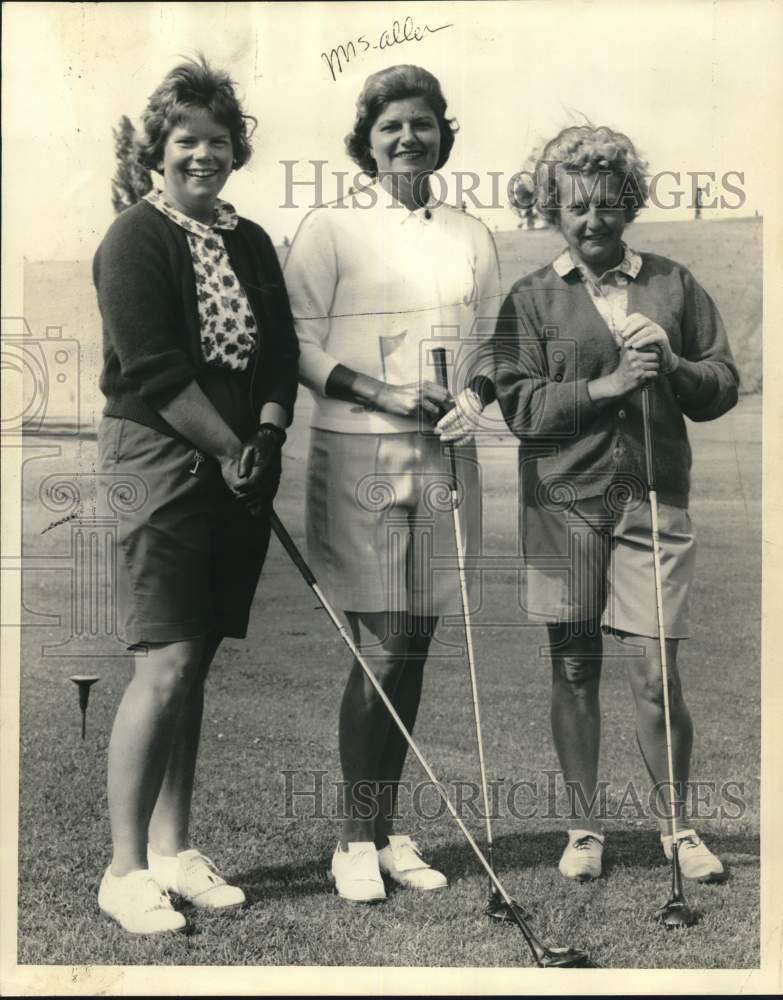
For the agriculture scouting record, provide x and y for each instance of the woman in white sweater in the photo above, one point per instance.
(376, 281)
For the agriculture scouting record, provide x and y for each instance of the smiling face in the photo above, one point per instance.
(197, 160)
(405, 138)
(592, 218)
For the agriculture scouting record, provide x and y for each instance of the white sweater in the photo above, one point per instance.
(375, 287)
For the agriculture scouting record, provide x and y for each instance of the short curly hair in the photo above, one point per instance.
(586, 150)
(193, 85)
(395, 84)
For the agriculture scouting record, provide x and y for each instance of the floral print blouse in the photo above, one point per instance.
(228, 327)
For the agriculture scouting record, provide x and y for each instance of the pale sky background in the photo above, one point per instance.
(686, 80)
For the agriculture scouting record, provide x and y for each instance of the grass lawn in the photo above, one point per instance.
(272, 707)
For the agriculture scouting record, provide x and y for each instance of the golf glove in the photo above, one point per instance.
(460, 423)
(266, 445)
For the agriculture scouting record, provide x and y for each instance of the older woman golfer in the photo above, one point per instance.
(200, 376)
(375, 280)
(576, 341)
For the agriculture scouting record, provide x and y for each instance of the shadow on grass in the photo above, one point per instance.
(513, 853)
(285, 881)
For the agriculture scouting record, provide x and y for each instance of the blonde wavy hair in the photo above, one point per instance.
(589, 151)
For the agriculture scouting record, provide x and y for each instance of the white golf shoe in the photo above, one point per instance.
(195, 878)
(356, 874)
(583, 855)
(696, 860)
(138, 904)
(401, 861)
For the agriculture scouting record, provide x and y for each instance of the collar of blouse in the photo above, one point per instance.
(390, 204)
(628, 268)
(225, 215)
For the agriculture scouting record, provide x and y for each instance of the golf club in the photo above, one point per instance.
(84, 683)
(675, 912)
(497, 907)
(545, 958)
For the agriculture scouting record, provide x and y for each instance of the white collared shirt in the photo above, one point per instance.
(374, 286)
(609, 292)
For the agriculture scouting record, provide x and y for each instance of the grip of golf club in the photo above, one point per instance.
(649, 444)
(289, 545)
(442, 378)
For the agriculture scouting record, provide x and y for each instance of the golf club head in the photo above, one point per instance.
(675, 914)
(564, 958)
(498, 909)
(551, 958)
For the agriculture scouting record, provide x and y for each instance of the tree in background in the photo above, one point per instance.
(131, 180)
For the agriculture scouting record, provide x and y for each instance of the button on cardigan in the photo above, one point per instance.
(550, 341)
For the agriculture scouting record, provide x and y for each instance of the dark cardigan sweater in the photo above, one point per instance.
(143, 273)
(550, 341)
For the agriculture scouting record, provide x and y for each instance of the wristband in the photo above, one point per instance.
(277, 432)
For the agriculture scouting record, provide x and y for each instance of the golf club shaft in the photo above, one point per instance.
(472, 668)
(652, 495)
(439, 356)
(290, 546)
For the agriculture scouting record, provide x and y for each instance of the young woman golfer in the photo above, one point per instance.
(575, 342)
(200, 376)
(374, 279)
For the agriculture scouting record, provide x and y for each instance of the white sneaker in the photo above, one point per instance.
(137, 903)
(696, 860)
(194, 877)
(582, 857)
(356, 873)
(401, 861)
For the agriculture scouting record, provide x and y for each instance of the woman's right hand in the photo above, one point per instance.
(634, 369)
(426, 398)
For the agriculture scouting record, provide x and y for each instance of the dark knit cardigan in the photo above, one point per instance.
(143, 273)
(550, 341)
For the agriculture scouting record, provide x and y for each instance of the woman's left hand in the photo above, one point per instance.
(261, 464)
(460, 423)
(643, 334)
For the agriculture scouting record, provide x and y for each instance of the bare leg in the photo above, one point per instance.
(406, 701)
(644, 673)
(141, 742)
(365, 720)
(169, 825)
(576, 716)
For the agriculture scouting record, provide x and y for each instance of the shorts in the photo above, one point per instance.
(189, 553)
(380, 529)
(592, 562)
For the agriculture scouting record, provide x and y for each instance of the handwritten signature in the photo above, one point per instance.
(397, 34)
